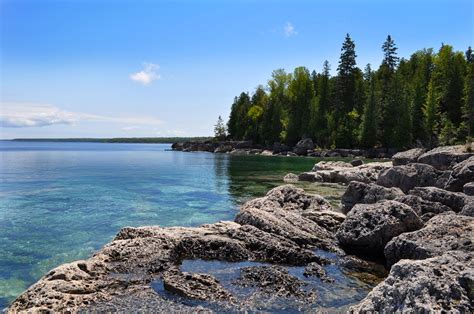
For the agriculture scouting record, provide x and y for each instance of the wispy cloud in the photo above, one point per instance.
(21, 115)
(147, 75)
(289, 30)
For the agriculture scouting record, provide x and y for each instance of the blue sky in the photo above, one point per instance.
(107, 68)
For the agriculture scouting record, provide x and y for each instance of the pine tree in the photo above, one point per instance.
(219, 129)
(368, 134)
(390, 54)
(386, 71)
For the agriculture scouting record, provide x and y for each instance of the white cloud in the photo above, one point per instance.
(20, 115)
(147, 75)
(289, 30)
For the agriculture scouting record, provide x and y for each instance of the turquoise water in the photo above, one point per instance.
(62, 201)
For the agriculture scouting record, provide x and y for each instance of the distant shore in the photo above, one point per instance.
(143, 140)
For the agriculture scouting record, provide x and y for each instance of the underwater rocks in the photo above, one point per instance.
(369, 227)
(439, 284)
(195, 286)
(274, 281)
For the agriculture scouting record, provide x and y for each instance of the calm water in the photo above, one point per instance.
(62, 201)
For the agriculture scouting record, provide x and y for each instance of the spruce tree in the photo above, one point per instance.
(219, 129)
(368, 133)
(468, 108)
(343, 136)
(431, 115)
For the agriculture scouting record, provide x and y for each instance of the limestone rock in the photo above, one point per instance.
(453, 200)
(290, 177)
(409, 176)
(274, 281)
(369, 227)
(442, 233)
(359, 192)
(439, 284)
(424, 208)
(444, 157)
(463, 173)
(406, 157)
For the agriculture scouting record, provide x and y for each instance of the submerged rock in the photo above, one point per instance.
(407, 157)
(369, 227)
(362, 193)
(315, 270)
(195, 286)
(442, 233)
(444, 157)
(440, 284)
(274, 281)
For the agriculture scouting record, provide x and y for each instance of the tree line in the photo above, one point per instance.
(424, 100)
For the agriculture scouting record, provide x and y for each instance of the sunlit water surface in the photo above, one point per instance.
(62, 201)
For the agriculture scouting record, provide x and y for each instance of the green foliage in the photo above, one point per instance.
(425, 99)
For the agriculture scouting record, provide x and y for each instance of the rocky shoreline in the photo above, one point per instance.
(305, 147)
(405, 230)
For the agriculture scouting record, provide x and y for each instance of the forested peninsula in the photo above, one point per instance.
(426, 100)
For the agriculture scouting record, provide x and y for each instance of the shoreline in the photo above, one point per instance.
(421, 194)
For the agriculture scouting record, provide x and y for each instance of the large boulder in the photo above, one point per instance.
(303, 146)
(442, 284)
(359, 192)
(444, 157)
(442, 233)
(407, 157)
(409, 176)
(224, 148)
(345, 174)
(282, 212)
(424, 208)
(455, 201)
(462, 174)
(369, 227)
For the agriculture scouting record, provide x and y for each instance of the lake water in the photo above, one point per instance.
(60, 202)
